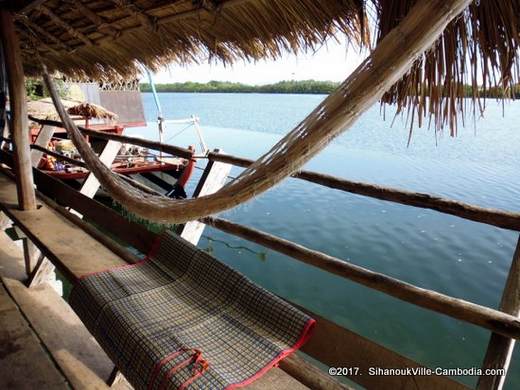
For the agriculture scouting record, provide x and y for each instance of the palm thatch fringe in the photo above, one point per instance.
(479, 48)
(91, 110)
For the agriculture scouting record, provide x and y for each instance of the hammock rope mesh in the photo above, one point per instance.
(287, 156)
(363, 88)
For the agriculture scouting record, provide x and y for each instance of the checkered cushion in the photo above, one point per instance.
(153, 316)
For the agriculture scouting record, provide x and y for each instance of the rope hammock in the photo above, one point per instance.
(364, 87)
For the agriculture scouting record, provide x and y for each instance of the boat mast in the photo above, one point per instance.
(160, 118)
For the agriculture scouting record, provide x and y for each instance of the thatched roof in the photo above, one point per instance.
(91, 110)
(96, 38)
(108, 37)
(44, 108)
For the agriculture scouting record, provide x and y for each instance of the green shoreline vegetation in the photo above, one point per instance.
(298, 87)
(292, 86)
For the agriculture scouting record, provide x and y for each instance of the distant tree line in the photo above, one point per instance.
(298, 87)
(304, 86)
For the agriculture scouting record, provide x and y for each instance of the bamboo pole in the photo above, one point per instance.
(67, 27)
(37, 30)
(500, 348)
(170, 149)
(495, 217)
(14, 67)
(498, 322)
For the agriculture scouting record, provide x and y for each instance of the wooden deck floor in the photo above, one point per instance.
(24, 363)
(61, 351)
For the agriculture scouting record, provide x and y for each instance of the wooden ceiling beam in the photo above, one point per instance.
(40, 44)
(100, 22)
(32, 5)
(71, 30)
(35, 28)
(133, 10)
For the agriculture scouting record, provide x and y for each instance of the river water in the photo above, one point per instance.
(432, 250)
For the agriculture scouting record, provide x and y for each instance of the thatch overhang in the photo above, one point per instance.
(110, 38)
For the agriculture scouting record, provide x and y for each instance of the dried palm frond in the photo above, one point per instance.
(91, 110)
(44, 108)
(477, 52)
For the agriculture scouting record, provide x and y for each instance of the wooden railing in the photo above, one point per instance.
(505, 324)
(495, 217)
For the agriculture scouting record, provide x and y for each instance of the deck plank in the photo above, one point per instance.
(78, 355)
(69, 247)
(24, 364)
(72, 347)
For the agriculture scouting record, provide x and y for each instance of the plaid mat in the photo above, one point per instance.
(182, 319)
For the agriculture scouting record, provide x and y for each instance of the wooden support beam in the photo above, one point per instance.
(38, 31)
(71, 30)
(31, 255)
(100, 23)
(502, 323)
(36, 42)
(213, 179)
(58, 156)
(133, 10)
(42, 272)
(42, 140)
(20, 130)
(91, 184)
(500, 348)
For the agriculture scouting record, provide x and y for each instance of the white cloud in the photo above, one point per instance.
(330, 62)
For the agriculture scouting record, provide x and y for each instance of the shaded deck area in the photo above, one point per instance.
(44, 344)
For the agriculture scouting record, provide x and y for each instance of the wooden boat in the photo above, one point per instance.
(165, 175)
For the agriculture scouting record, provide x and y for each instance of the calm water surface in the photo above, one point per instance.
(435, 251)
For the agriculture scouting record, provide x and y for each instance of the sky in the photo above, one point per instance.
(330, 62)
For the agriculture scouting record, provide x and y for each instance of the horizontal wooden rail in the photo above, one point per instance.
(485, 317)
(165, 148)
(495, 217)
(59, 156)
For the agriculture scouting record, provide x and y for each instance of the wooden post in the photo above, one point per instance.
(500, 348)
(4, 130)
(14, 68)
(213, 179)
